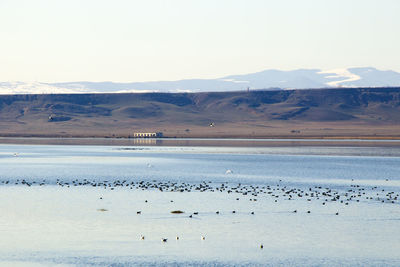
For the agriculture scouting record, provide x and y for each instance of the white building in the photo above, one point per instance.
(148, 135)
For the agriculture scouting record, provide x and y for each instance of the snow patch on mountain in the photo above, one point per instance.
(340, 76)
(20, 88)
(14, 88)
(234, 81)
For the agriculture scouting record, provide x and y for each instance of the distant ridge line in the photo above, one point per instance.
(268, 79)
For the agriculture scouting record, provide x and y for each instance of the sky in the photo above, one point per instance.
(148, 40)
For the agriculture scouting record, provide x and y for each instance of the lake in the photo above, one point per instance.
(306, 205)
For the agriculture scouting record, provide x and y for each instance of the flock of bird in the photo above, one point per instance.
(277, 192)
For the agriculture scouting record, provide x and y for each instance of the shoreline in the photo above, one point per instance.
(212, 136)
(213, 142)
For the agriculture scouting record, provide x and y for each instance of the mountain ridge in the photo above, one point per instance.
(260, 114)
(268, 79)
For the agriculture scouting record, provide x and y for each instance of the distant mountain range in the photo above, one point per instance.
(268, 79)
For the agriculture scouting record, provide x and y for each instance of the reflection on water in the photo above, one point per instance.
(147, 142)
(202, 142)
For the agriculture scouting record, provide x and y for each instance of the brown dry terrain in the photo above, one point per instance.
(327, 113)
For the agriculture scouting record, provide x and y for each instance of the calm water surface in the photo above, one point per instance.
(54, 225)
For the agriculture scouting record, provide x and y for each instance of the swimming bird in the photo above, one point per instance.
(261, 246)
(203, 237)
(141, 237)
(164, 240)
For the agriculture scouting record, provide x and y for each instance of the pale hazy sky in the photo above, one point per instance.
(129, 40)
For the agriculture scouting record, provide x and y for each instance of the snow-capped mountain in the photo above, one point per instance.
(268, 79)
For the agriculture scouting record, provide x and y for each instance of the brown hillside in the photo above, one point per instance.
(299, 113)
